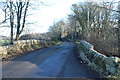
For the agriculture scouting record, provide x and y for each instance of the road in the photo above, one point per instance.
(53, 62)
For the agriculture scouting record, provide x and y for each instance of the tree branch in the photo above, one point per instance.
(108, 9)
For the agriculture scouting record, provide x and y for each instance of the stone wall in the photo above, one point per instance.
(22, 47)
(99, 62)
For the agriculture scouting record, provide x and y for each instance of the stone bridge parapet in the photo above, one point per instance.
(99, 62)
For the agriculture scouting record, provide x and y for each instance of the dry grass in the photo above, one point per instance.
(22, 47)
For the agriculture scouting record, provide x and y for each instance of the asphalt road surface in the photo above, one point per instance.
(53, 62)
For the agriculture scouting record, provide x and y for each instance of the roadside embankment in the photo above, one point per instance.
(108, 66)
(24, 46)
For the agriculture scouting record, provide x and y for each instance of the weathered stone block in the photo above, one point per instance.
(111, 69)
(3, 51)
(86, 44)
(116, 59)
(110, 61)
(83, 57)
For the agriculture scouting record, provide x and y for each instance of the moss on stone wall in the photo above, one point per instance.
(109, 66)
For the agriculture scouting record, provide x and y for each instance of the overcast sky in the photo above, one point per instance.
(46, 15)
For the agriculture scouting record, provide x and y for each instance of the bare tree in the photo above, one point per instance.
(84, 14)
(56, 30)
(21, 9)
(7, 8)
(11, 20)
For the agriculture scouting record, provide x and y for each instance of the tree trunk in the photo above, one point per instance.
(19, 14)
(83, 30)
(11, 22)
(119, 36)
(119, 29)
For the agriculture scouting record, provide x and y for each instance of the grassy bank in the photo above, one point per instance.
(22, 47)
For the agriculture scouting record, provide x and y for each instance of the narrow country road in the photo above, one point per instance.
(57, 61)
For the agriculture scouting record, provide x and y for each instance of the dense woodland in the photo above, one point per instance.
(97, 23)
